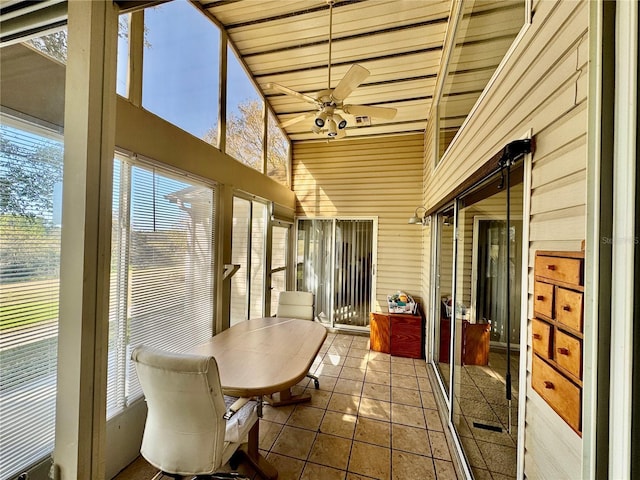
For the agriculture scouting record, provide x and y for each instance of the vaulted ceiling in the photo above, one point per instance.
(287, 42)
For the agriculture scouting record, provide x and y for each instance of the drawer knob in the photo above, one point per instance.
(537, 336)
(548, 385)
(566, 308)
(540, 297)
(563, 351)
(551, 267)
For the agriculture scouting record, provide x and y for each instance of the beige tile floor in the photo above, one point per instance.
(374, 417)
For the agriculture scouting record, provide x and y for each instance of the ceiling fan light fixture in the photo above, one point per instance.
(340, 122)
(320, 119)
(333, 131)
(315, 128)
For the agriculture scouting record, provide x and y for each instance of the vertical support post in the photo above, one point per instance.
(86, 231)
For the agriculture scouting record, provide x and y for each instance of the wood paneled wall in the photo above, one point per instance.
(543, 89)
(376, 178)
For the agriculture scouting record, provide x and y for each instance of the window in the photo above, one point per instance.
(161, 270)
(248, 249)
(30, 210)
(122, 76)
(181, 67)
(278, 147)
(484, 34)
(245, 116)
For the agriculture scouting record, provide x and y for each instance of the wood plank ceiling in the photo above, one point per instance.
(287, 42)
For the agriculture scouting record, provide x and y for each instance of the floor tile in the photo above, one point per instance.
(407, 415)
(408, 466)
(370, 460)
(313, 471)
(339, 424)
(375, 376)
(344, 403)
(294, 442)
(288, 468)
(376, 409)
(353, 373)
(379, 366)
(403, 369)
(331, 451)
(306, 417)
(406, 396)
(269, 431)
(444, 470)
(439, 447)
(373, 431)
(377, 391)
(347, 386)
(404, 381)
(410, 439)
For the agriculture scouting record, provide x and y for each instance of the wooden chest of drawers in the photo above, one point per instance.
(399, 334)
(557, 333)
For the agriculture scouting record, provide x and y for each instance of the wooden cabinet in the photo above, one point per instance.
(399, 334)
(557, 333)
(475, 342)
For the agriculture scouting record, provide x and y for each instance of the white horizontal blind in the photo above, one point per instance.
(162, 270)
(30, 205)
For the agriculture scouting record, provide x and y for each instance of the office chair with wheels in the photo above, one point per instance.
(191, 428)
(297, 305)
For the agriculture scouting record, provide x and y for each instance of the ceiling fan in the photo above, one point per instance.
(328, 102)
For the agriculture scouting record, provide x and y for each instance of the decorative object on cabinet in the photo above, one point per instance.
(399, 334)
(557, 333)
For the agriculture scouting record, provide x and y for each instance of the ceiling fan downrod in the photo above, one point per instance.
(330, 3)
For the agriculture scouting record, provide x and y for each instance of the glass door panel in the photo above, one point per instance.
(248, 249)
(353, 274)
(279, 260)
(258, 252)
(483, 358)
(314, 266)
(239, 308)
(334, 261)
(444, 294)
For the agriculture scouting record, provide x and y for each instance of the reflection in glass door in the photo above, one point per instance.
(248, 249)
(484, 416)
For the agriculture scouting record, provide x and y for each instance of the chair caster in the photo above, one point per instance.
(316, 383)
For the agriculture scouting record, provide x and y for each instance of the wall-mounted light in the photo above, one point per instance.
(420, 218)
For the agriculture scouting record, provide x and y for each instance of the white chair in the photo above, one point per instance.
(297, 305)
(186, 431)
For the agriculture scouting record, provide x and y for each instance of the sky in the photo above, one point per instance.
(180, 69)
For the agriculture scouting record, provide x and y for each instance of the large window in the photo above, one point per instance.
(484, 33)
(30, 210)
(161, 270)
(245, 116)
(181, 67)
(278, 147)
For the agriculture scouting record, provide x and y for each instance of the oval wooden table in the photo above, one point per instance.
(264, 356)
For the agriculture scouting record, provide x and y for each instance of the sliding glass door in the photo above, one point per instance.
(335, 261)
(477, 320)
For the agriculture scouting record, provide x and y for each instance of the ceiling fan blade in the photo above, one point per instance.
(354, 77)
(299, 118)
(287, 91)
(376, 112)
